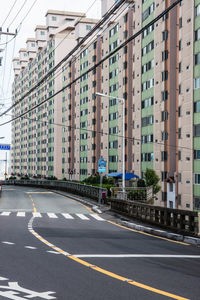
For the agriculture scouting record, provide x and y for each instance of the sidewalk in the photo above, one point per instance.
(128, 222)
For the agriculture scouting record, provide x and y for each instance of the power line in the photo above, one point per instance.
(110, 12)
(9, 13)
(18, 12)
(95, 66)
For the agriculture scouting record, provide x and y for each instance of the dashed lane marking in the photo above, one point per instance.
(8, 243)
(30, 247)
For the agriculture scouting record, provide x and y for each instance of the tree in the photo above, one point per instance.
(152, 179)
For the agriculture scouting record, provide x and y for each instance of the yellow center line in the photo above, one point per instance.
(33, 203)
(111, 274)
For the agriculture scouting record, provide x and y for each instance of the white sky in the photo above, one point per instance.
(35, 17)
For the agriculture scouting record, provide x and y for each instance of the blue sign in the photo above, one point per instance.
(102, 169)
(4, 147)
(102, 162)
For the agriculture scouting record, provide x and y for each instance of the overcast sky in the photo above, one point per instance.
(36, 16)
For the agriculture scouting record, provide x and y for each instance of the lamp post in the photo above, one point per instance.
(122, 101)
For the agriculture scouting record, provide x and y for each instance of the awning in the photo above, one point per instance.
(128, 176)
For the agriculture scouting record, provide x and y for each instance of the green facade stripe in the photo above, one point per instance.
(197, 70)
(148, 75)
(196, 166)
(148, 20)
(147, 130)
(196, 190)
(146, 165)
(146, 4)
(148, 39)
(196, 118)
(147, 111)
(197, 143)
(197, 23)
(146, 148)
(148, 93)
(196, 47)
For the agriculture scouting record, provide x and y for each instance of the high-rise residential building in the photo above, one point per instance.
(158, 75)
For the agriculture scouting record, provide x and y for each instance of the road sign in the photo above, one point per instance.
(4, 147)
(102, 169)
(102, 162)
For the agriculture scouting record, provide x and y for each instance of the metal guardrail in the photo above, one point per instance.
(174, 219)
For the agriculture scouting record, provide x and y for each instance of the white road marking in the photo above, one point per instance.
(30, 247)
(37, 215)
(82, 217)
(68, 216)
(52, 215)
(137, 255)
(5, 213)
(8, 243)
(3, 278)
(21, 214)
(54, 252)
(97, 217)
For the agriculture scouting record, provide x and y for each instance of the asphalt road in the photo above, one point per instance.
(52, 247)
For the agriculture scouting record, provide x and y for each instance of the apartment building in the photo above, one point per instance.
(158, 75)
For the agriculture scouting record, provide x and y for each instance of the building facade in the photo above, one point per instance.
(158, 75)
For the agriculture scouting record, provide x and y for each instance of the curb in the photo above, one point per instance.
(166, 234)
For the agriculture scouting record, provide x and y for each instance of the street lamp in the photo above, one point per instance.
(122, 101)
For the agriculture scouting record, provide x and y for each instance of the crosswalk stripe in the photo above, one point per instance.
(82, 217)
(37, 215)
(68, 216)
(52, 215)
(97, 217)
(21, 214)
(5, 213)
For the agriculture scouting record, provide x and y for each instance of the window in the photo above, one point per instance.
(165, 35)
(164, 155)
(179, 155)
(148, 48)
(197, 130)
(197, 83)
(179, 199)
(196, 154)
(197, 59)
(88, 27)
(171, 187)
(148, 84)
(148, 66)
(147, 102)
(114, 30)
(147, 156)
(164, 95)
(164, 196)
(179, 111)
(147, 121)
(179, 177)
(163, 176)
(180, 45)
(164, 116)
(147, 12)
(180, 22)
(147, 31)
(53, 18)
(179, 133)
(165, 55)
(196, 178)
(197, 11)
(197, 35)
(164, 75)
(42, 32)
(164, 136)
(180, 67)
